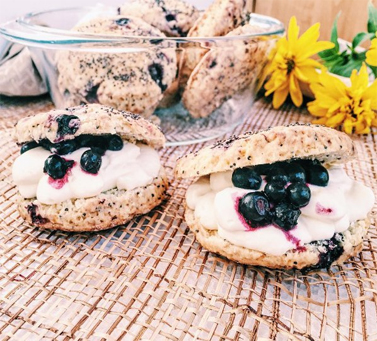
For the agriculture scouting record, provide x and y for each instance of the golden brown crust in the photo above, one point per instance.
(106, 210)
(219, 19)
(94, 119)
(310, 258)
(268, 146)
(238, 64)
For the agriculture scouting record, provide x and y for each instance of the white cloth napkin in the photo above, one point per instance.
(20, 72)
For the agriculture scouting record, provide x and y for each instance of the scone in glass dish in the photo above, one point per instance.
(278, 198)
(195, 71)
(87, 168)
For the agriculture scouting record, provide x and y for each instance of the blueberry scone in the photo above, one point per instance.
(87, 168)
(278, 198)
(133, 81)
(172, 17)
(220, 18)
(224, 71)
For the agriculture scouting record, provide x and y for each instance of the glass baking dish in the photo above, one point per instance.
(56, 49)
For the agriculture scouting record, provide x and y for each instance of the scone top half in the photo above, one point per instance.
(89, 167)
(278, 198)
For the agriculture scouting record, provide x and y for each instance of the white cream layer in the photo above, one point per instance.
(331, 209)
(132, 166)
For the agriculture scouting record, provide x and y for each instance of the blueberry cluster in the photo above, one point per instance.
(285, 193)
(91, 160)
(56, 166)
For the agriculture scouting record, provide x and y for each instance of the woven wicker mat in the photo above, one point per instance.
(150, 279)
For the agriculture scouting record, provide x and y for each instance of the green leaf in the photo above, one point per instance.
(360, 37)
(334, 33)
(372, 18)
(346, 69)
(374, 70)
(328, 54)
(359, 55)
(331, 55)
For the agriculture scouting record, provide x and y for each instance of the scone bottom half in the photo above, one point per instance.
(278, 210)
(87, 168)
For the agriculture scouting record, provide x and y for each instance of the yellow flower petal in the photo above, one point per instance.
(293, 31)
(308, 37)
(320, 121)
(294, 91)
(280, 96)
(359, 81)
(315, 48)
(353, 109)
(308, 73)
(348, 126)
(335, 87)
(372, 53)
(335, 120)
(371, 93)
(289, 62)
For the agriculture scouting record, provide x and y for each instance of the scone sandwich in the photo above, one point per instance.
(278, 198)
(87, 168)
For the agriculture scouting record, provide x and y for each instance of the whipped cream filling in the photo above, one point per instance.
(331, 209)
(132, 166)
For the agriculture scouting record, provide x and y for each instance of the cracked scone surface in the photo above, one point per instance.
(220, 18)
(224, 71)
(172, 17)
(349, 244)
(268, 146)
(133, 81)
(108, 209)
(92, 119)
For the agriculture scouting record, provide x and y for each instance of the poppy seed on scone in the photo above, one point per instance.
(82, 179)
(277, 198)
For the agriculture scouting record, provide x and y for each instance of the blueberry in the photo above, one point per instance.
(28, 146)
(170, 17)
(91, 93)
(115, 142)
(307, 163)
(286, 215)
(67, 125)
(295, 172)
(91, 162)
(246, 178)
(98, 150)
(56, 167)
(45, 143)
(263, 169)
(156, 71)
(254, 207)
(213, 64)
(317, 175)
(298, 194)
(99, 141)
(122, 21)
(276, 192)
(278, 175)
(84, 140)
(64, 147)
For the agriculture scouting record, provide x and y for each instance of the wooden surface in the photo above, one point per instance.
(353, 18)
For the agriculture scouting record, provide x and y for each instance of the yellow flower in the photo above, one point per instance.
(289, 63)
(372, 53)
(353, 109)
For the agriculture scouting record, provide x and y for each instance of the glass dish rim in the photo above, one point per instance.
(65, 37)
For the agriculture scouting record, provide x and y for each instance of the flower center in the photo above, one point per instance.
(290, 65)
